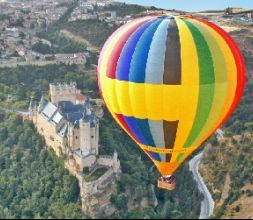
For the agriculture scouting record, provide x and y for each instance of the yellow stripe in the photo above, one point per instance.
(190, 81)
(123, 96)
(175, 100)
(164, 150)
(229, 89)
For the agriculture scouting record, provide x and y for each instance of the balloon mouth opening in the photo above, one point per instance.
(167, 176)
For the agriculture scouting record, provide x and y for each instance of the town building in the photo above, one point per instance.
(233, 10)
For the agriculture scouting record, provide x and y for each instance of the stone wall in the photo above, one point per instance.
(105, 161)
(110, 161)
(48, 131)
(96, 195)
(84, 161)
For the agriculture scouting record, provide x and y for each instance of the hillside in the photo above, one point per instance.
(227, 165)
(33, 181)
(94, 31)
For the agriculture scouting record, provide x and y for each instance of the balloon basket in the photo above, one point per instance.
(166, 183)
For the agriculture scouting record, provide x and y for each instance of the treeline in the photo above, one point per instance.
(26, 81)
(33, 181)
(123, 9)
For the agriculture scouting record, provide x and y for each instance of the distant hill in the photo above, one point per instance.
(211, 11)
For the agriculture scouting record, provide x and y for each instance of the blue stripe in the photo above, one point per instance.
(140, 127)
(140, 56)
(123, 66)
(154, 156)
(131, 123)
(144, 127)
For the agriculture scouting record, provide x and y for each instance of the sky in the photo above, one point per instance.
(194, 5)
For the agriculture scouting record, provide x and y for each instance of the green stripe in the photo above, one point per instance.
(221, 86)
(206, 81)
(180, 157)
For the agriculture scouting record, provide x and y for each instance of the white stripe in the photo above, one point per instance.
(156, 55)
(156, 130)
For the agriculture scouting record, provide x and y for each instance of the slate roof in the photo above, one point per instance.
(49, 110)
(69, 107)
(71, 112)
(57, 117)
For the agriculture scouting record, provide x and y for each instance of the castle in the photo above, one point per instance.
(70, 126)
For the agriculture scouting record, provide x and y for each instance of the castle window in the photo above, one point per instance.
(76, 137)
(51, 138)
(92, 136)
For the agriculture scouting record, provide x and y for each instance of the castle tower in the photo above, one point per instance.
(63, 92)
(94, 135)
(85, 136)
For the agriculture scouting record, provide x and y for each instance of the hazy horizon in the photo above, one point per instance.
(194, 5)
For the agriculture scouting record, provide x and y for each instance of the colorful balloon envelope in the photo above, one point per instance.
(170, 82)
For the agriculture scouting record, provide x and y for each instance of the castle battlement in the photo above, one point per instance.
(65, 92)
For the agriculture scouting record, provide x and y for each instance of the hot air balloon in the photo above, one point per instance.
(170, 83)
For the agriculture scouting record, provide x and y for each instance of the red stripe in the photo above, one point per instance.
(241, 76)
(124, 125)
(115, 54)
(99, 85)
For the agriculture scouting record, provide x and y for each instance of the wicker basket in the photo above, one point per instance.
(167, 186)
